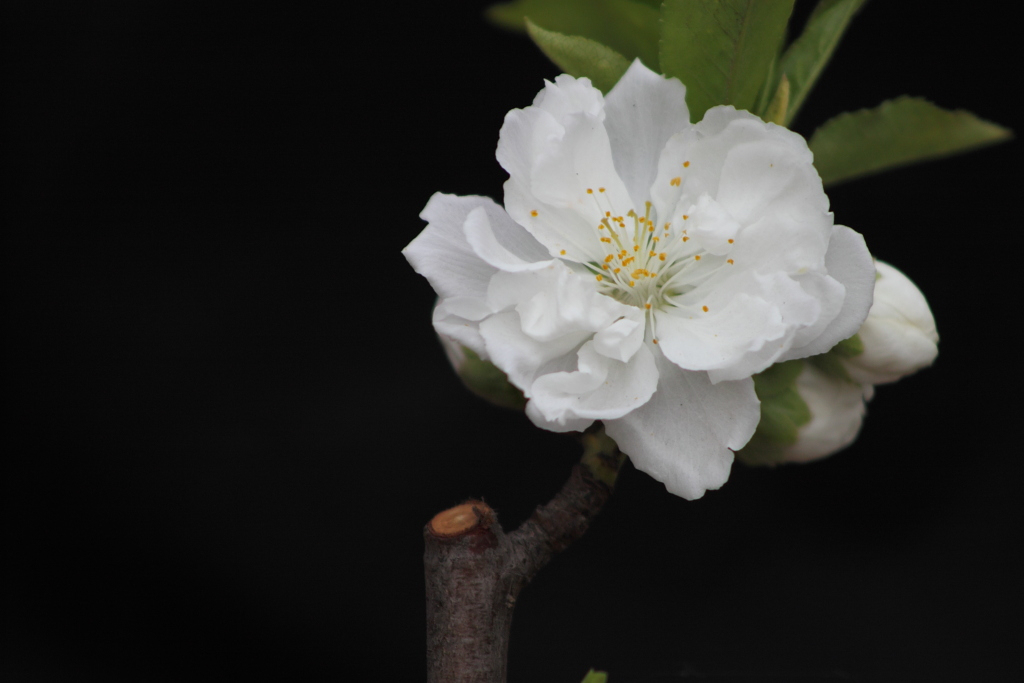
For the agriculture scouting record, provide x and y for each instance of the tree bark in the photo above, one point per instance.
(475, 571)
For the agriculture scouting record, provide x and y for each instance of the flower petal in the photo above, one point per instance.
(682, 436)
(849, 263)
(441, 253)
(523, 252)
(600, 387)
(458, 318)
(643, 111)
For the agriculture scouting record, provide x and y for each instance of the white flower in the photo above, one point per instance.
(899, 335)
(646, 267)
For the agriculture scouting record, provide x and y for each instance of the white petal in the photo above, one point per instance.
(441, 253)
(849, 262)
(600, 388)
(643, 111)
(458, 318)
(572, 425)
(525, 252)
(682, 437)
(580, 161)
(554, 301)
(522, 357)
(567, 96)
(622, 338)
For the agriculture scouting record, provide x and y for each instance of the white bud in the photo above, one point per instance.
(899, 334)
(837, 411)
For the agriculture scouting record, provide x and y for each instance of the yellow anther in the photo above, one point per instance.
(653, 253)
(655, 341)
(686, 164)
(562, 252)
(676, 182)
(685, 238)
(600, 189)
(609, 257)
(607, 214)
(636, 247)
(697, 257)
(657, 239)
(589, 191)
(703, 308)
(631, 283)
(685, 217)
(599, 277)
(662, 256)
(605, 266)
(731, 241)
(651, 228)
(647, 306)
(606, 239)
(534, 212)
(729, 262)
(617, 270)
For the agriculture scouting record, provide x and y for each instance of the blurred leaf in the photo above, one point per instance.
(595, 677)
(805, 59)
(722, 50)
(579, 56)
(628, 27)
(896, 133)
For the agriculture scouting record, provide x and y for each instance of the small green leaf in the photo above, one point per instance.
(776, 111)
(896, 133)
(777, 378)
(579, 56)
(595, 677)
(805, 59)
(783, 412)
(627, 27)
(721, 50)
(848, 348)
(489, 383)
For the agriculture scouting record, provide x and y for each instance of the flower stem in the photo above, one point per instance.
(474, 570)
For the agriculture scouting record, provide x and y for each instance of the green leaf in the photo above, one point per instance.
(595, 677)
(485, 380)
(805, 59)
(783, 412)
(722, 50)
(627, 27)
(896, 133)
(579, 56)
(848, 348)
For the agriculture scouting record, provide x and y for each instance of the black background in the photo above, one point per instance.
(230, 418)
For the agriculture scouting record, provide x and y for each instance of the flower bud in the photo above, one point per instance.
(899, 335)
(807, 412)
(837, 410)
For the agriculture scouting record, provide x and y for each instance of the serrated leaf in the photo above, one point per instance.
(898, 132)
(579, 56)
(721, 50)
(629, 28)
(805, 59)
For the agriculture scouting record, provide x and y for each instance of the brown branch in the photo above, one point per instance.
(474, 570)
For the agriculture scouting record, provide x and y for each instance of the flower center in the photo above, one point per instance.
(648, 264)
